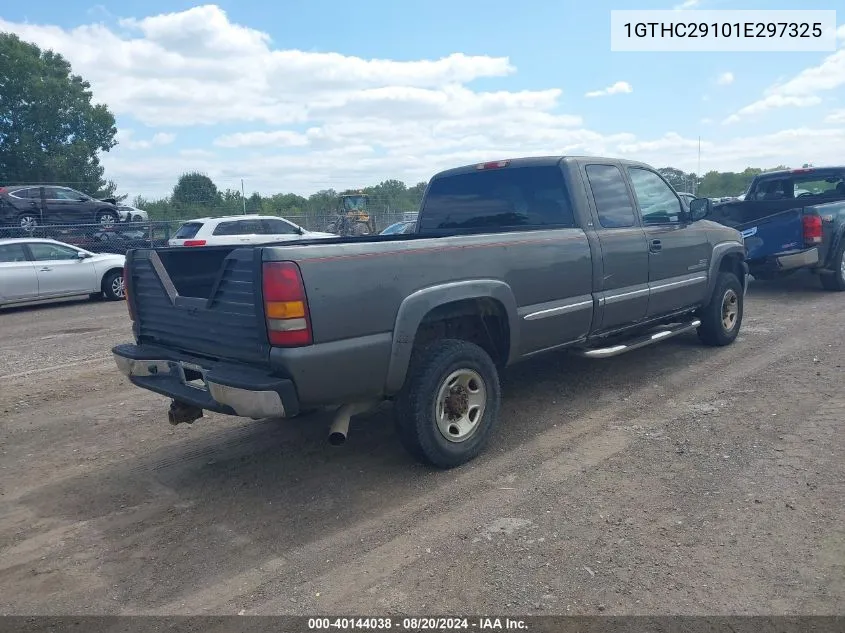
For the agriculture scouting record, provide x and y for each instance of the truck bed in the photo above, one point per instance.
(208, 301)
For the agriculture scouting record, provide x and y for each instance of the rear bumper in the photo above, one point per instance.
(226, 388)
(802, 259)
(808, 258)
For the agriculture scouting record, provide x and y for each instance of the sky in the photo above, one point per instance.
(303, 96)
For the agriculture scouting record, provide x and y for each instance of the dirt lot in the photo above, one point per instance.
(675, 479)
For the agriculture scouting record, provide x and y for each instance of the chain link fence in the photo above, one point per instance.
(122, 236)
(67, 212)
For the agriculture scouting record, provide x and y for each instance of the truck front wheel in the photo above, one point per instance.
(722, 317)
(450, 403)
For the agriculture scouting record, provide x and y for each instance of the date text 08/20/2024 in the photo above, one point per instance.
(417, 624)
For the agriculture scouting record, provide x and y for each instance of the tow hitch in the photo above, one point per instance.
(180, 412)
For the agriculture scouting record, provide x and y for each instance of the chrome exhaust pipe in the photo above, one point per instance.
(340, 425)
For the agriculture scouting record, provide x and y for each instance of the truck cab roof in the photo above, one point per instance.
(536, 161)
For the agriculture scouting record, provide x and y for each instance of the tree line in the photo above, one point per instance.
(195, 194)
(52, 132)
(714, 184)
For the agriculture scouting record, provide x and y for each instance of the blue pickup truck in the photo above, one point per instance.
(792, 220)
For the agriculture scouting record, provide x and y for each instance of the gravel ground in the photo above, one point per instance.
(676, 479)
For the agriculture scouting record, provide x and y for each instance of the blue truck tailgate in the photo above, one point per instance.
(782, 231)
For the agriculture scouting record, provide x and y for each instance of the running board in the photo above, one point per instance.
(643, 341)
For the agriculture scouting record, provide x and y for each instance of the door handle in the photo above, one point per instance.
(46, 268)
(655, 246)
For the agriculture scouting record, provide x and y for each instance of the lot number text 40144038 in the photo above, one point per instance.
(417, 624)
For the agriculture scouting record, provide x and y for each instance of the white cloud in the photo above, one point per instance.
(620, 87)
(836, 116)
(803, 89)
(771, 102)
(125, 139)
(278, 138)
(725, 79)
(416, 158)
(197, 67)
(197, 153)
(302, 121)
(687, 4)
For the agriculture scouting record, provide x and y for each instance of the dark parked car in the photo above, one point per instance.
(686, 198)
(399, 228)
(27, 206)
(510, 259)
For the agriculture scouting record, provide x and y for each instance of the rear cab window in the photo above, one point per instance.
(610, 193)
(807, 186)
(188, 230)
(507, 198)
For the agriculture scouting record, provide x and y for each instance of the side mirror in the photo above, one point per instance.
(80, 255)
(699, 208)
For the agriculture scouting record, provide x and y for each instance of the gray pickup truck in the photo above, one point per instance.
(509, 260)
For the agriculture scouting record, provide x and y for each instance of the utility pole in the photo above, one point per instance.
(698, 174)
(243, 195)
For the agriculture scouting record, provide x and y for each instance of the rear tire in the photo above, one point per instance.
(449, 405)
(113, 287)
(106, 218)
(722, 317)
(28, 222)
(835, 282)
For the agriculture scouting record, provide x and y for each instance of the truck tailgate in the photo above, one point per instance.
(204, 301)
(768, 235)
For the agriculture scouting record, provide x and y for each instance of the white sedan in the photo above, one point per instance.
(128, 213)
(234, 230)
(37, 269)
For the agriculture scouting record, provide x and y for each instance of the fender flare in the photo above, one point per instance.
(415, 306)
(720, 251)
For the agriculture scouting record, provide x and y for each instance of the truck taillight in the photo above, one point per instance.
(127, 288)
(194, 243)
(812, 229)
(285, 305)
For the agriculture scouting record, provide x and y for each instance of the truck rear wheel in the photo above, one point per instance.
(722, 317)
(449, 405)
(836, 280)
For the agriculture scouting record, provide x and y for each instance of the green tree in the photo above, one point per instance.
(195, 188)
(415, 194)
(253, 203)
(50, 131)
(323, 202)
(674, 177)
